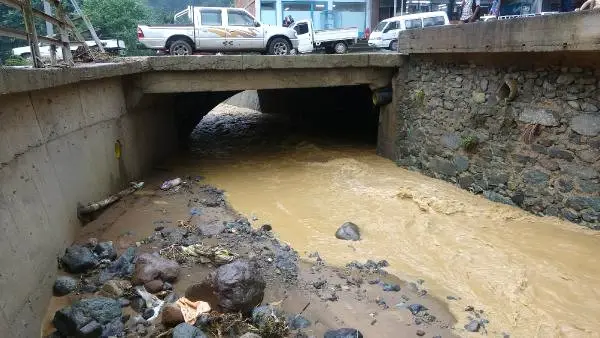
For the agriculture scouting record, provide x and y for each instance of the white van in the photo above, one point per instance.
(385, 35)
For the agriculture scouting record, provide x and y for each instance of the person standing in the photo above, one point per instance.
(470, 10)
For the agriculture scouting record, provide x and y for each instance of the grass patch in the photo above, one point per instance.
(16, 60)
(469, 143)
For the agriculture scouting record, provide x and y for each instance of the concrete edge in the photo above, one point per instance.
(13, 80)
(575, 31)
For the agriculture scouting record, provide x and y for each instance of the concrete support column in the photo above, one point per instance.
(257, 10)
(368, 8)
(278, 12)
(374, 6)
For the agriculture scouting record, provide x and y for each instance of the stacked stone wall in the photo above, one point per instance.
(539, 151)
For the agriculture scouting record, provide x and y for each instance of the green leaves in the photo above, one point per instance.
(117, 19)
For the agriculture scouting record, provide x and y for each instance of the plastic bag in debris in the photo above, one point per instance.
(152, 302)
(215, 254)
(191, 310)
(171, 183)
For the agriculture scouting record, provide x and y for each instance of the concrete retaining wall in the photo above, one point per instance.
(58, 150)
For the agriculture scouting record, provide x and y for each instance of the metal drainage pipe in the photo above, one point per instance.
(382, 96)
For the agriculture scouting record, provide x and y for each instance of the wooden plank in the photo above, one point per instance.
(80, 39)
(50, 19)
(17, 5)
(14, 33)
(64, 37)
(32, 34)
(11, 3)
(22, 35)
(89, 25)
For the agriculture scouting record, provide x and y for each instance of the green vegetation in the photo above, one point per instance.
(420, 97)
(469, 142)
(15, 60)
(117, 19)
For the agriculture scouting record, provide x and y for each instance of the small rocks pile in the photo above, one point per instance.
(91, 317)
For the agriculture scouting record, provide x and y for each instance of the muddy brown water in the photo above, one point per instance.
(533, 276)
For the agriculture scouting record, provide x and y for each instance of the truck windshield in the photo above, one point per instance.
(380, 26)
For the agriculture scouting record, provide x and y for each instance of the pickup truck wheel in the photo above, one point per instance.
(180, 47)
(394, 45)
(279, 46)
(340, 47)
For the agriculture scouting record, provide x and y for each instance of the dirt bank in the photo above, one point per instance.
(152, 220)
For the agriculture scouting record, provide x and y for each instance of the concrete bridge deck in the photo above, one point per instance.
(216, 73)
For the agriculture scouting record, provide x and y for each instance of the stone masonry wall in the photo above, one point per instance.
(540, 151)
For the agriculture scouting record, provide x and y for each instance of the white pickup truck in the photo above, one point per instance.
(212, 29)
(332, 40)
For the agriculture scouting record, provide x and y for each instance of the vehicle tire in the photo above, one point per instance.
(394, 45)
(340, 47)
(180, 47)
(279, 46)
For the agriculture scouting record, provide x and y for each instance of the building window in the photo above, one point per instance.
(238, 18)
(305, 11)
(210, 17)
(351, 14)
(268, 14)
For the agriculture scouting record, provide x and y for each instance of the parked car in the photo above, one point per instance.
(212, 29)
(385, 35)
(110, 46)
(331, 40)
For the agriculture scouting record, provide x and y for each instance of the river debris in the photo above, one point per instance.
(84, 210)
(207, 254)
(237, 268)
(191, 310)
(152, 302)
(167, 185)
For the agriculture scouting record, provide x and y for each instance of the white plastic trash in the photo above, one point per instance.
(171, 183)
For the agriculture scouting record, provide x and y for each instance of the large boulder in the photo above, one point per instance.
(64, 285)
(154, 286)
(172, 315)
(185, 330)
(105, 250)
(343, 333)
(79, 259)
(348, 231)
(149, 267)
(239, 286)
(121, 268)
(87, 317)
(261, 315)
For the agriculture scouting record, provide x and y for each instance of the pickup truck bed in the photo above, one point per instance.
(335, 34)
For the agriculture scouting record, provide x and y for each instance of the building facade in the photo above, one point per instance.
(363, 14)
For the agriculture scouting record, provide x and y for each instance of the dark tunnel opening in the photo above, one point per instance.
(263, 119)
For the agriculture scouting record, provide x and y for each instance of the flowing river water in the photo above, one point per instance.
(533, 276)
